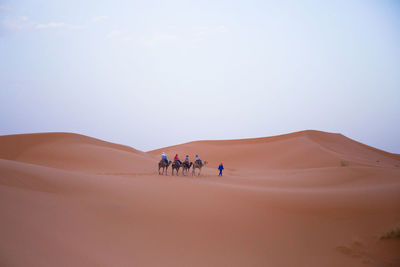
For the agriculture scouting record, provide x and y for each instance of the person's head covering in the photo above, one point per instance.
(187, 155)
(176, 154)
(221, 163)
(163, 153)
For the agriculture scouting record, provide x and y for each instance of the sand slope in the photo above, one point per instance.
(71, 200)
(74, 152)
(305, 149)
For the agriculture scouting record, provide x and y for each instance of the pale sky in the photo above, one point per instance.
(152, 73)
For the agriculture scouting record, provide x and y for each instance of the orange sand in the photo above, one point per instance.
(71, 200)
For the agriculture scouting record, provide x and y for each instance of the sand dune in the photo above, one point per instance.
(71, 200)
(74, 152)
(305, 149)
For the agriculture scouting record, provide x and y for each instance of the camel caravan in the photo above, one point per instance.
(177, 164)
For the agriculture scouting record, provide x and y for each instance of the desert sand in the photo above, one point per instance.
(308, 198)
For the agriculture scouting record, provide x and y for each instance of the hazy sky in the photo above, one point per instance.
(155, 73)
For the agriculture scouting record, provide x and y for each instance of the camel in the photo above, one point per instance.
(162, 164)
(186, 167)
(175, 166)
(198, 165)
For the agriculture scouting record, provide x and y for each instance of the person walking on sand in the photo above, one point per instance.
(220, 168)
(164, 157)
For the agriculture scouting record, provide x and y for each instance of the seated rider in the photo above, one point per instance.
(177, 159)
(164, 157)
(198, 160)
(186, 162)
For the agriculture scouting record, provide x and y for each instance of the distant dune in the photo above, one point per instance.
(305, 149)
(70, 151)
(308, 198)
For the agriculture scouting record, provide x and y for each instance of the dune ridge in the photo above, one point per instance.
(304, 149)
(71, 151)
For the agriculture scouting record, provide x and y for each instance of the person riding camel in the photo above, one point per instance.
(177, 159)
(164, 157)
(186, 162)
(198, 160)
